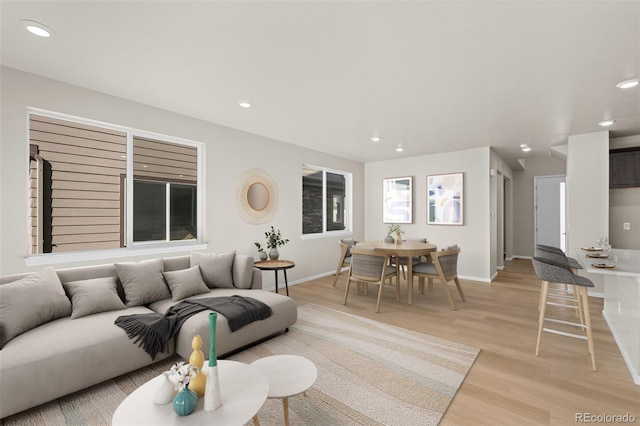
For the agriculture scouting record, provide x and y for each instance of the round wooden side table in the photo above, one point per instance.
(276, 265)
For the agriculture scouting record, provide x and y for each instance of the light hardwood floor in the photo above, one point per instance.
(507, 385)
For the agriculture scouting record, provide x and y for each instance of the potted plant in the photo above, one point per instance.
(395, 230)
(261, 252)
(274, 240)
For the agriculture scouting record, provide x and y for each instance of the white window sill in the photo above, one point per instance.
(331, 234)
(56, 258)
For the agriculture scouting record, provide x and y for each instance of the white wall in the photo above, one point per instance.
(473, 237)
(501, 200)
(588, 193)
(229, 153)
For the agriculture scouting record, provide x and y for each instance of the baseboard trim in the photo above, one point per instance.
(516, 256)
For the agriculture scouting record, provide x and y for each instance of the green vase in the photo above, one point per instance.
(185, 402)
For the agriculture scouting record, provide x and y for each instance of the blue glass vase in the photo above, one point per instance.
(185, 402)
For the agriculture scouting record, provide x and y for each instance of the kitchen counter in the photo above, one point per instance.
(621, 300)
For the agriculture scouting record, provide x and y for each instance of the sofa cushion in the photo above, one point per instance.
(93, 296)
(64, 356)
(142, 282)
(185, 283)
(31, 301)
(216, 268)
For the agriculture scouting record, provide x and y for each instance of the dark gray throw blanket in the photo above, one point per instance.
(154, 330)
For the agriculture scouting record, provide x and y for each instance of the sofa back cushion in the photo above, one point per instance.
(142, 282)
(185, 283)
(30, 301)
(216, 268)
(93, 296)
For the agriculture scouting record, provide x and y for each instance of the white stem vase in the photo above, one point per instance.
(212, 395)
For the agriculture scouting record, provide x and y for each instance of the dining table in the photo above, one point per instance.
(407, 249)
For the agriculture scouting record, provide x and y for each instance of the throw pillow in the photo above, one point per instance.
(31, 301)
(93, 296)
(142, 282)
(185, 282)
(216, 268)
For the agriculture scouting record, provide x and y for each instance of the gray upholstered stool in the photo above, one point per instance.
(558, 271)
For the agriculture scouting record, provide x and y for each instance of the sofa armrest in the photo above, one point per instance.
(244, 274)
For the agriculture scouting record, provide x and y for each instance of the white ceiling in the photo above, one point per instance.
(432, 76)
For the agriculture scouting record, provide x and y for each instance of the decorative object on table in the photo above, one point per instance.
(185, 400)
(602, 265)
(604, 243)
(212, 396)
(198, 383)
(261, 253)
(445, 199)
(395, 230)
(388, 239)
(165, 392)
(274, 240)
(397, 196)
(597, 255)
(591, 248)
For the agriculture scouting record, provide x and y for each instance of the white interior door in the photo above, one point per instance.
(550, 211)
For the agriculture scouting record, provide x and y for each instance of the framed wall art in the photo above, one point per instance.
(445, 199)
(397, 194)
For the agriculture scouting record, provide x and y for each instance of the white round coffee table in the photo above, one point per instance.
(288, 375)
(244, 390)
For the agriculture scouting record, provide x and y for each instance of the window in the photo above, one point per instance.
(82, 187)
(326, 200)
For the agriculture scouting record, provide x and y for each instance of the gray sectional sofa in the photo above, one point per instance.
(51, 349)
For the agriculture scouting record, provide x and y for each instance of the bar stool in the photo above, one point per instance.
(563, 297)
(558, 271)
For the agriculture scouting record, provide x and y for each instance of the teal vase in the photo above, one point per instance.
(185, 402)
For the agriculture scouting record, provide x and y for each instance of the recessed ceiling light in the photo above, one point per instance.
(244, 104)
(399, 148)
(606, 123)
(375, 139)
(37, 28)
(525, 147)
(628, 84)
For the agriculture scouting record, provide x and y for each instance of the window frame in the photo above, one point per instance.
(131, 248)
(348, 203)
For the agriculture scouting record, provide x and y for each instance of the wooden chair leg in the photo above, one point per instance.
(379, 297)
(421, 284)
(430, 284)
(256, 422)
(543, 308)
(346, 291)
(445, 286)
(457, 281)
(587, 319)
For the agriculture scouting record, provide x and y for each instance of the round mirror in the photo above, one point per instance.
(258, 196)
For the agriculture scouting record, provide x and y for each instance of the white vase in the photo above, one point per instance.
(274, 254)
(165, 392)
(212, 396)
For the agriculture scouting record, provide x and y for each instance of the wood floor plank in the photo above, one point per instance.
(507, 385)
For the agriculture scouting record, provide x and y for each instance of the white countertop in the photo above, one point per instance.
(625, 262)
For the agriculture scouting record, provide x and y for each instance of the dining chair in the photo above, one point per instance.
(445, 268)
(370, 266)
(345, 256)
(559, 271)
(402, 261)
